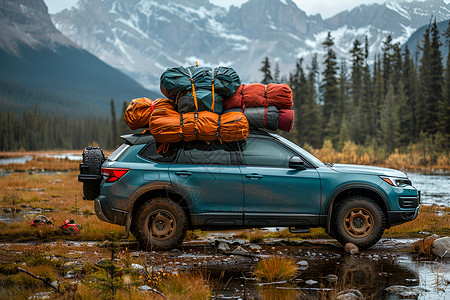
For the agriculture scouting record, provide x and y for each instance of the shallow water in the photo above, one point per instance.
(435, 188)
(16, 160)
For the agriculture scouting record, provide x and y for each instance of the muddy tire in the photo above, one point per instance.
(93, 159)
(159, 224)
(358, 220)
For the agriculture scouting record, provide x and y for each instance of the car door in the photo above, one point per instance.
(275, 194)
(209, 174)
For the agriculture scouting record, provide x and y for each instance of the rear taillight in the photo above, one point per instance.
(113, 174)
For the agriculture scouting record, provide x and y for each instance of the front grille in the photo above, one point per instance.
(409, 202)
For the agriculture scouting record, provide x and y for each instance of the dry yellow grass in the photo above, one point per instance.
(275, 268)
(186, 286)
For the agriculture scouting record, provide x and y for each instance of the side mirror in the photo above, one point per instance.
(296, 163)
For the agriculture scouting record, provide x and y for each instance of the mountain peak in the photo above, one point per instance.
(36, 28)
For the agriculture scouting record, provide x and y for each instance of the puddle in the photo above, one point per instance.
(16, 160)
(10, 216)
(68, 156)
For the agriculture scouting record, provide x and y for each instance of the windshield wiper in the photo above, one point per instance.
(329, 164)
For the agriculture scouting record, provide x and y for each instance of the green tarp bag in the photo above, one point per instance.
(177, 81)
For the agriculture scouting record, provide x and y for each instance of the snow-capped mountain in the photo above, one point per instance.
(41, 66)
(144, 37)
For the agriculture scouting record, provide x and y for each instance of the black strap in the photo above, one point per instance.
(218, 127)
(181, 119)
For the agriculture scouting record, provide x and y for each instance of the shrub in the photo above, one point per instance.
(275, 268)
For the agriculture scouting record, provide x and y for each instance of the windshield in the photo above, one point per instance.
(311, 158)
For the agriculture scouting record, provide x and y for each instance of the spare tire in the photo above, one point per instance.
(90, 169)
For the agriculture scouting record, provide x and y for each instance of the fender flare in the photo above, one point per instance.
(350, 186)
(167, 186)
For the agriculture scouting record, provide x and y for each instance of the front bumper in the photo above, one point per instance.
(399, 217)
(106, 213)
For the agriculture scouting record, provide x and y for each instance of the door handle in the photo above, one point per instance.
(183, 173)
(254, 176)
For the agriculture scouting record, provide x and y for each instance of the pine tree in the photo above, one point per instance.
(444, 103)
(265, 69)
(389, 121)
(310, 110)
(330, 92)
(276, 73)
(114, 133)
(437, 81)
(409, 79)
(423, 118)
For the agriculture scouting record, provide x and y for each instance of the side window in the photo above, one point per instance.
(206, 153)
(265, 153)
(160, 152)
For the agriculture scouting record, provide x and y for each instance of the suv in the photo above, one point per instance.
(158, 191)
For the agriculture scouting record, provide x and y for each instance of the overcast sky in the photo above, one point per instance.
(326, 8)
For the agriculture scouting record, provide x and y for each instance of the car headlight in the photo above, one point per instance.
(395, 181)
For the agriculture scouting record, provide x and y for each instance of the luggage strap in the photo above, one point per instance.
(242, 97)
(153, 106)
(212, 89)
(163, 148)
(265, 116)
(193, 90)
(181, 125)
(265, 96)
(218, 127)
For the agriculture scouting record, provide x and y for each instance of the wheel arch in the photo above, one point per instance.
(356, 189)
(157, 190)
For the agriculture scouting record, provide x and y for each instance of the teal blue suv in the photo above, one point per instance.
(158, 191)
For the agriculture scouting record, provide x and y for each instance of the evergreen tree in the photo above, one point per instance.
(409, 79)
(276, 73)
(122, 125)
(330, 92)
(437, 80)
(389, 121)
(422, 116)
(444, 103)
(310, 110)
(114, 132)
(378, 95)
(265, 69)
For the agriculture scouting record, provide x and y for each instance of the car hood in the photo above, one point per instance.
(369, 170)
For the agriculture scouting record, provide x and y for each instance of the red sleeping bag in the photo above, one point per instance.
(256, 94)
(286, 119)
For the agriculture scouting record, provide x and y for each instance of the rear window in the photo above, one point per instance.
(159, 152)
(119, 151)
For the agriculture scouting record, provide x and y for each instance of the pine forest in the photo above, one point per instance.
(373, 107)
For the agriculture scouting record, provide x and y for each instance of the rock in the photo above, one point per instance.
(406, 291)
(431, 238)
(311, 282)
(223, 246)
(254, 247)
(331, 278)
(351, 294)
(351, 248)
(302, 265)
(239, 250)
(441, 247)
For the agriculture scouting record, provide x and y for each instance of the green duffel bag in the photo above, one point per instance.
(179, 80)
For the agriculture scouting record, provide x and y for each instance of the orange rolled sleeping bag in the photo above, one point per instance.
(165, 122)
(138, 113)
(209, 126)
